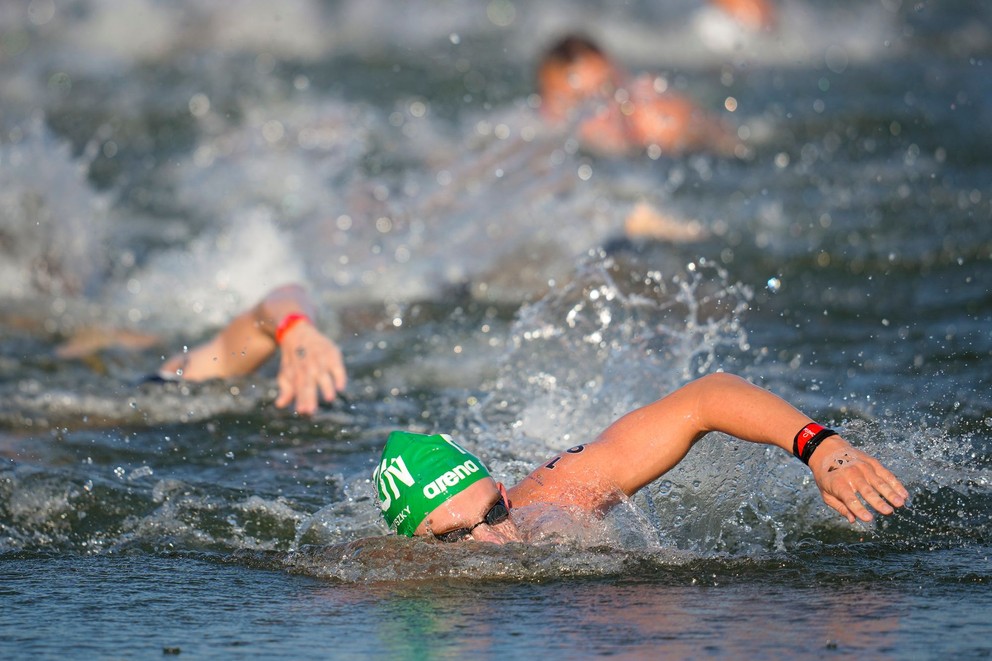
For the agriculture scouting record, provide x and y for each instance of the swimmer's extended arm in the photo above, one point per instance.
(309, 361)
(645, 444)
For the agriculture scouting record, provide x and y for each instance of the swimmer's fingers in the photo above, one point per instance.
(887, 485)
(840, 507)
(876, 484)
(325, 384)
(332, 378)
(843, 497)
(305, 387)
(310, 364)
(872, 496)
(860, 482)
(292, 377)
(326, 373)
(285, 382)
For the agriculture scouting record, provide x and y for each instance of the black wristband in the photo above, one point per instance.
(808, 439)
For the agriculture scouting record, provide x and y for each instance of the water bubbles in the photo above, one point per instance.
(418, 108)
(594, 338)
(836, 59)
(774, 285)
(140, 472)
(199, 105)
(60, 83)
(41, 12)
(273, 131)
(501, 12)
(384, 225)
(781, 160)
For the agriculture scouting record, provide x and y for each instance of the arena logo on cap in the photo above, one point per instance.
(450, 478)
(386, 475)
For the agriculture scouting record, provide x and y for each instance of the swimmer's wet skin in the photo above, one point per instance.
(428, 485)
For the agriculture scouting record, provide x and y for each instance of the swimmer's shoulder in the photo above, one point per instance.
(567, 480)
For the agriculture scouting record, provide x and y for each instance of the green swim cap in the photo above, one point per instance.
(417, 473)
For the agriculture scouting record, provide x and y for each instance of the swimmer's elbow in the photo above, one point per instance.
(288, 290)
(720, 382)
(711, 396)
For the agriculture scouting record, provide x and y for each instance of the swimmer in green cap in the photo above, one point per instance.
(419, 473)
(430, 486)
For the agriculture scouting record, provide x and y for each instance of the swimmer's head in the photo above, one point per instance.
(572, 70)
(754, 15)
(417, 473)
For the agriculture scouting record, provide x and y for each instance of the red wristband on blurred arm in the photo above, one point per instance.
(288, 322)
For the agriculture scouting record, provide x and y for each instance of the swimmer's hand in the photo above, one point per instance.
(844, 473)
(309, 362)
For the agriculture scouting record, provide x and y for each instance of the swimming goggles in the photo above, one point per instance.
(498, 513)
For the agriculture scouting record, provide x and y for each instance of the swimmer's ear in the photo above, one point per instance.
(506, 496)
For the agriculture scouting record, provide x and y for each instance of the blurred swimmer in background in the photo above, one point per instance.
(753, 15)
(614, 113)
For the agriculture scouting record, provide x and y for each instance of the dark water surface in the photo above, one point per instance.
(162, 166)
(138, 607)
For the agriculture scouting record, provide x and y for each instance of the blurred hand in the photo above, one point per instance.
(844, 473)
(309, 362)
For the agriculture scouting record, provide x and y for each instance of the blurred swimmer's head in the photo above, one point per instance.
(571, 71)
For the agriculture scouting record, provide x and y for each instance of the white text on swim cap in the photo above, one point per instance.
(385, 475)
(450, 479)
(401, 517)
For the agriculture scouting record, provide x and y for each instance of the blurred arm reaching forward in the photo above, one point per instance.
(309, 363)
